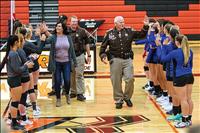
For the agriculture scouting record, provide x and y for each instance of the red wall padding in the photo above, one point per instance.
(188, 21)
(21, 13)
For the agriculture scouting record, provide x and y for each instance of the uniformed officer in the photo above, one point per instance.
(120, 56)
(81, 44)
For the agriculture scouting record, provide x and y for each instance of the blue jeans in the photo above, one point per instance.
(64, 68)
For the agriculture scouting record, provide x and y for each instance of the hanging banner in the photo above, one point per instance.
(43, 61)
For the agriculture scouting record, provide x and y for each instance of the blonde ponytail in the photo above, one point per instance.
(186, 49)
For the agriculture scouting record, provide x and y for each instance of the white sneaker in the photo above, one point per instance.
(26, 122)
(38, 108)
(163, 103)
(162, 99)
(168, 107)
(36, 112)
(182, 124)
(8, 121)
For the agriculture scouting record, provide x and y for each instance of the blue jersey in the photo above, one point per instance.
(143, 41)
(158, 50)
(152, 56)
(163, 37)
(169, 65)
(177, 58)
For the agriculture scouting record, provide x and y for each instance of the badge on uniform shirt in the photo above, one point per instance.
(132, 29)
(111, 36)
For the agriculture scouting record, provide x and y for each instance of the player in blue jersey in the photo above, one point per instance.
(183, 79)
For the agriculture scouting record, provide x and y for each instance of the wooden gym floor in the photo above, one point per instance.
(98, 113)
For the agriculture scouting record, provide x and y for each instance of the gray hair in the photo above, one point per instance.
(118, 18)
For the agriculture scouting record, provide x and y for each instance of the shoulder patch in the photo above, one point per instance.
(128, 27)
(105, 35)
(109, 30)
(132, 29)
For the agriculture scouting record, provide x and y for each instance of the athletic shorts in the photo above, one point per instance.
(14, 81)
(183, 80)
(152, 57)
(164, 66)
(36, 66)
(25, 79)
(169, 78)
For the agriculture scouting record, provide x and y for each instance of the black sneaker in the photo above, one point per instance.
(17, 127)
(28, 105)
(80, 97)
(72, 95)
(52, 93)
(159, 94)
(145, 86)
(129, 103)
(118, 105)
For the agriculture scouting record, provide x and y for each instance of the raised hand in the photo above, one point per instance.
(37, 31)
(158, 40)
(166, 41)
(43, 37)
(29, 64)
(43, 27)
(146, 20)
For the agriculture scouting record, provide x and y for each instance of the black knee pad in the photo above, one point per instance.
(23, 98)
(146, 68)
(15, 104)
(36, 87)
(31, 91)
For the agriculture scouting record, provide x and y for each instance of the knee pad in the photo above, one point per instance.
(31, 91)
(23, 98)
(146, 68)
(15, 104)
(36, 87)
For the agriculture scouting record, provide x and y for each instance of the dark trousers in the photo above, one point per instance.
(64, 68)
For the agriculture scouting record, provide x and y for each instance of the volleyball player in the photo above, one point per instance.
(182, 59)
(15, 68)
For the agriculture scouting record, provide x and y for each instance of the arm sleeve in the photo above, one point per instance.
(16, 64)
(85, 37)
(72, 51)
(22, 55)
(103, 47)
(143, 41)
(140, 34)
(191, 63)
(164, 56)
(33, 48)
(49, 40)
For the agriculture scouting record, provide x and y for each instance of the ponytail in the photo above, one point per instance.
(10, 43)
(186, 49)
(173, 33)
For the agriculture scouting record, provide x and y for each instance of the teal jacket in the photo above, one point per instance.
(52, 62)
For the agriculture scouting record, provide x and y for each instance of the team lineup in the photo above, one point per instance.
(167, 57)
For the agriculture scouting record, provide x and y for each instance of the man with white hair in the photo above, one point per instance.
(120, 56)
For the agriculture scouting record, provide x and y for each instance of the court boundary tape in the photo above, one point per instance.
(99, 75)
(161, 112)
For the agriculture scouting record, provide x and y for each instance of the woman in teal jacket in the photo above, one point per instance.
(61, 59)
